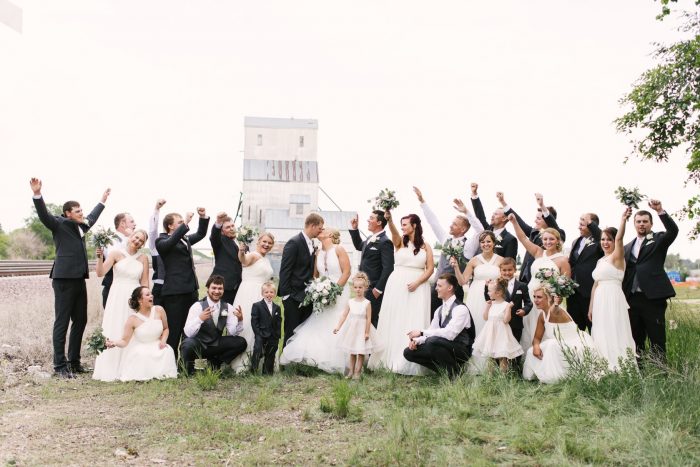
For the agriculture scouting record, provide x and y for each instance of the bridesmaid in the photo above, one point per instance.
(480, 269)
(612, 332)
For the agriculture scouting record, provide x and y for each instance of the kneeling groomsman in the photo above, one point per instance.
(447, 343)
(205, 325)
(266, 321)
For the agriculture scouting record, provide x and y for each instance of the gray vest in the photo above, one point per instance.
(443, 266)
(210, 332)
(467, 335)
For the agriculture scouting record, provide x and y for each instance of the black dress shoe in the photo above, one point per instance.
(79, 369)
(64, 374)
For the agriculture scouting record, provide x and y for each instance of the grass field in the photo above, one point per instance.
(304, 417)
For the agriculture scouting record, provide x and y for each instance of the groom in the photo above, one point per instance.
(506, 244)
(69, 271)
(377, 258)
(296, 270)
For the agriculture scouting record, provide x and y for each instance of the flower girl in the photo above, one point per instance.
(496, 338)
(358, 337)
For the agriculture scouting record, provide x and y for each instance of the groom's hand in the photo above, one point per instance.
(202, 212)
(205, 314)
(419, 195)
(105, 195)
(354, 222)
(35, 184)
(376, 293)
(475, 190)
(655, 204)
(501, 198)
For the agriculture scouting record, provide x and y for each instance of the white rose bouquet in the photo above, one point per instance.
(320, 293)
(557, 284)
(102, 237)
(246, 234)
(454, 248)
(385, 200)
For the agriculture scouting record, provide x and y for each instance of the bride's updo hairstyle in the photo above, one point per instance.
(333, 234)
(556, 235)
(268, 235)
(545, 290)
(145, 234)
(135, 297)
(418, 241)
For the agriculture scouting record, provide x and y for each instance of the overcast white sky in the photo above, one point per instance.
(148, 98)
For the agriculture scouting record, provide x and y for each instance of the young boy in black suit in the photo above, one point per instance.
(266, 321)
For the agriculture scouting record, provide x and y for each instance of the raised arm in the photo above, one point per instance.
(479, 211)
(527, 228)
(103, 267)
(215, 234)
(164, 245)
(430, 217)
(618, 254)
(549, 218)
(396, 238)
(355, 234)
(203, 225)
(153, 227)
(671, 228)
(45, 217)
(530, 247)
(464, 277)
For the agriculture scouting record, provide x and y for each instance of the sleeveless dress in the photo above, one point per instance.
(143, 359)
(313, 342)
(553, 367)
(496, 338)
(402, 311)
(476, 302)
(530, 320)
(351, 337)
(611, 332)
(249, 292)
(127, 276)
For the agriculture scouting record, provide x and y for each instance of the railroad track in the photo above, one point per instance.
(9, 268)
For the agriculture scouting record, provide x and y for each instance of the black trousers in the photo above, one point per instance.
(157, 297)
(70, 307)
(176, 308)
(376, 304)
(229, 295)
(294, 315)
(228, 348)
(648, 319)
(105, 294)
(577, 306)
(264, 347)
(440, 354)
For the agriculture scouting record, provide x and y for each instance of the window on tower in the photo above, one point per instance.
(259, 140)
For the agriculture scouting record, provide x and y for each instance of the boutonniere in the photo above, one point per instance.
(650, 236)
(372, 240)
(499, 238)
(86, 221)
(224, 313)
(587, 242)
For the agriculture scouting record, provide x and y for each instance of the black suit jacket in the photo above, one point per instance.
(534, 236)
(508, 245)
(521, 300)
(71, 257)
(582, 265)
(176, 254)
(226, 262)
(377, 258)
(649, 266)
(297, 268)
(265, 325)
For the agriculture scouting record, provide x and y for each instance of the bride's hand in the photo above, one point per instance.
(413, 286)
(162, 345)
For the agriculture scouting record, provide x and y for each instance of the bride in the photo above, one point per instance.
(130, 271)
(547, 256)
(313, 342)
(256, 271)
(406, 303)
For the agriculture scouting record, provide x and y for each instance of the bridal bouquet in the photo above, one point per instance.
(246, 234)
(321, 292)
(102, 237)
(97, 342)
(454, 248)
(630, 198)
(557, 284)
(385, 200)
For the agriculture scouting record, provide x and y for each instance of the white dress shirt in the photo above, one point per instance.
(193, 322)
(460, 320)
(511, 286)
(471, 244)
(637, 246)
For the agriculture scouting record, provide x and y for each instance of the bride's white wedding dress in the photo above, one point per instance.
(530, 320)
(402, 311)
(313, 342)
(127, 276)
(249, 292)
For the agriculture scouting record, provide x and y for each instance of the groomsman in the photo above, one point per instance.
(545, 217)
(458, 229)
(68, 274)
(506, 243)
(583, 258)
(158, 268)
(646, 284)
(180, 286)
(447, 344)
(377, 259)
(226, 262)
(204, 329)
(296, 270)
(124, 225)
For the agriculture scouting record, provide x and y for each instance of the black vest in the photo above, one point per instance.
(210, 332)
(467, 335)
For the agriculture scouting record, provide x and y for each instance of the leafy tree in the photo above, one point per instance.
(43, 235)
(25, 244)
(664, 107)
(3, 244)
